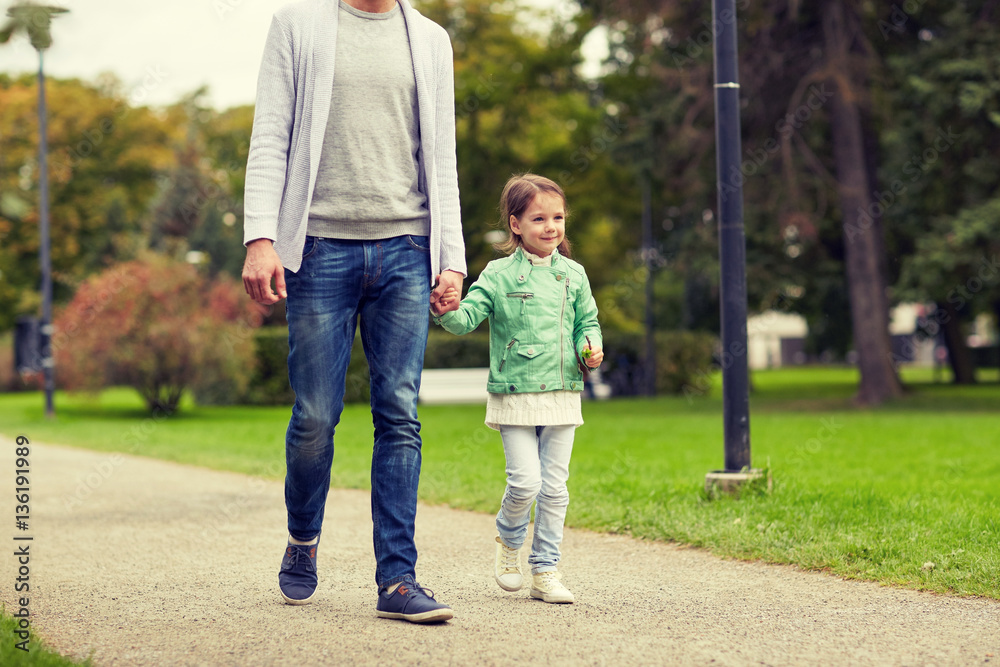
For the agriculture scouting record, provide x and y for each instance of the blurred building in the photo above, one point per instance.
(779, 339)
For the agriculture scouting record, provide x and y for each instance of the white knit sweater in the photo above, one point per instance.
(290, 120)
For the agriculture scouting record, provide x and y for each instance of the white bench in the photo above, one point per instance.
(453, 385)
(468, 385)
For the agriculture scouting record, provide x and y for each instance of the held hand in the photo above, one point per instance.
(444, 281)
(442, 306)
(261, 265)
(592, 356)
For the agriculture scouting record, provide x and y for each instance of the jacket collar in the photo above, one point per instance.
(524, 265)
(522, 255)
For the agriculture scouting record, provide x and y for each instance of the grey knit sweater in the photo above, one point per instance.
(290, 120)
(368, 184)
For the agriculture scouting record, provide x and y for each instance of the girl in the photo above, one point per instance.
(543, 320)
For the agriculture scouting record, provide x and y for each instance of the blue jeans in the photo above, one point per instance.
(386, 284)
(537, 467)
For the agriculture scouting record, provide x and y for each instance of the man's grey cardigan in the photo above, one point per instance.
(290, 120)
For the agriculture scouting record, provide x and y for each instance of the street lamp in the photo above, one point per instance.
(36, 20)
(732, 257)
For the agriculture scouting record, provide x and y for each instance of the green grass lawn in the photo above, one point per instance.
(873, 494)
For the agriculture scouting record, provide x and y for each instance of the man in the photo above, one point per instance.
(352, 207)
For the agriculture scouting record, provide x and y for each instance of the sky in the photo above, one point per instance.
(159, 49)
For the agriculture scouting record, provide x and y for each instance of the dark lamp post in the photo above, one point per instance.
(36, 20)
(732, 258)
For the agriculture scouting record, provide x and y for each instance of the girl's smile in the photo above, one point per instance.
(543, 226)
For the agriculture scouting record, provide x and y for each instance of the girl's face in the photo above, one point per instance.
(542, 227)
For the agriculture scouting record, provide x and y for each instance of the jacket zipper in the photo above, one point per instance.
(562, 347)
(506, 350)
(523, 296)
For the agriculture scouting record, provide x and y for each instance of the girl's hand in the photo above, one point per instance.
(592, 356)
(449, 297)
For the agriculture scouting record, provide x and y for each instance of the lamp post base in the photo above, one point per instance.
(733, 482)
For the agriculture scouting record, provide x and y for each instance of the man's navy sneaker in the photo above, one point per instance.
(412, 602)
(297, 577)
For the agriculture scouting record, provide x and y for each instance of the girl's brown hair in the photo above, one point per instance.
(517, 195)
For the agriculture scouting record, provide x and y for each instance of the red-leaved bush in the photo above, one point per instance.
(159, 326)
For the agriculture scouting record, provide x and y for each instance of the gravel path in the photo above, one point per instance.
(167, 564)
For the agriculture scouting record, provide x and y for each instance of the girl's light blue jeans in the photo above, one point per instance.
(537, 468)
(384, 284)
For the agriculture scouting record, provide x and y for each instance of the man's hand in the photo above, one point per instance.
(263, 264)
(442, 306)
(446, 280)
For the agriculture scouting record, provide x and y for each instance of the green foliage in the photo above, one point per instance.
(959, 262)
(684, 361)
(124, 176)
(8, 374)
(521, 105)
(199, 205)
(942, 152)
(103, 157)
(445, 350)
(160, 327)
(269, 384)
(683, 357)
(659, 78)
(33, 20)
(121, 177)
(679, 302)
(357, 387)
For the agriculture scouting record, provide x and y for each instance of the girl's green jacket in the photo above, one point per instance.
(541, 318)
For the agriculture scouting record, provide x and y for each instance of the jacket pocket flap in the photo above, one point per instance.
(530, 350)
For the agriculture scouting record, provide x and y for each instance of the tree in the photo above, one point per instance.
(157, 325)
(848, 58)
(522, 105)
(958, 264)
(790, 158)
(202, 202)
(942, 157)
(104, 159)
(659, 78)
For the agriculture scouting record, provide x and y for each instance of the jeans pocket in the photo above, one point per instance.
(312, 243)
(419, 242)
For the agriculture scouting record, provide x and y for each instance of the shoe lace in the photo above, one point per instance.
(417, 589)
(295, 552)
(549, 580)
(509, 559)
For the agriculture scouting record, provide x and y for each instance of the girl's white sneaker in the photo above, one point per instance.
(507, 567)
(546, 586)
